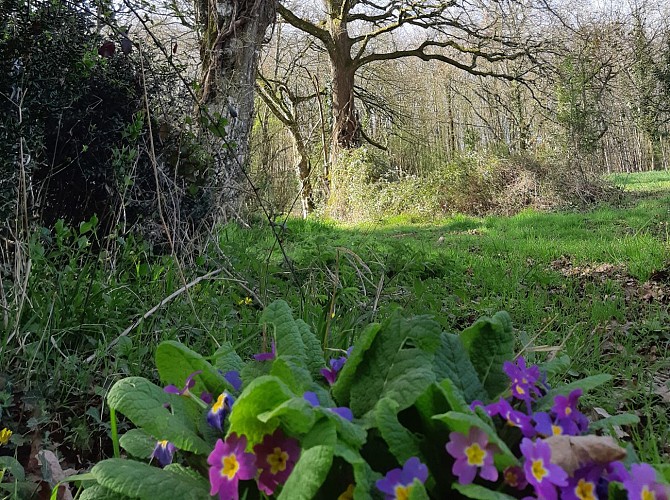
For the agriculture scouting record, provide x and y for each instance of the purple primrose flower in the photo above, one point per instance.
(571, 419)
(234, 379)
(163, 452)
(540, 472)
(641, 484)
(275, 456)
(398, 483)
(524, 379)
(515, 477)
(221, 407)
(472, 452)
(267, 356)
(190, 382)
(583, 485)
(228, 464)
(511, 416)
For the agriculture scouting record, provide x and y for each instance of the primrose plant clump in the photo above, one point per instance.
(408, 412)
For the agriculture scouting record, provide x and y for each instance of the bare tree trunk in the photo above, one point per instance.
(346, 123)
(232, 33)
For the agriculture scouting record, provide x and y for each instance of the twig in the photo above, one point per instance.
(151, 311)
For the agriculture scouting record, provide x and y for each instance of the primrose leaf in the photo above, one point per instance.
(364, 476)
(614, 420)
(462, 422)
(418, 491)
(226, 359)
(175, 362)
(139, 480)
(138, 443)
(296, 414)
(286, 332)
(308, 474)
(14, 467)
(402, 443)
(322, 433)
(345, 379)
(313, 349)
(479, 492)
(398, 364)
(143, 403)
(262, 395)
(97, 492)
(452, 362)
(291, 371)
(489, 343)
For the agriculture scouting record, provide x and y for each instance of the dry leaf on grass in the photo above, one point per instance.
(574, 452)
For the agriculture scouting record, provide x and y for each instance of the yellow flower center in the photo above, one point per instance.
(556, 430)
(277, 460)
(475, 455)
(5, 434)
(402, 492)
(647, 495)
(538, 470)
(348, 494)
(230, 466)
(220, 402)
(585, 490)
(163, 443)
(568, 411)
(519, 390)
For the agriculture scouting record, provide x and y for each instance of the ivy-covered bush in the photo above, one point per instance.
(74, 129)
(410, 411)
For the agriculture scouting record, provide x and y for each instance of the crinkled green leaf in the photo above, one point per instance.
(313, 349)
(308, 474)
(614, 420)
(480, 492)
(226, 359)
(140, 480)
(462, 422)
(98, 492)
(253, 370)
(453, 395)
(452, 362)
(138, 443)
(323, 433)
(13, 466)
(291, 371)
(295, 414)
(286, 332)
(175, 362)
(347, 376)
(364, 476)
(433, 401)
(262, 395)
(143, 403)
(489, 342)
(180, 469)
(401, 442)
(398, 364)
(418, 491)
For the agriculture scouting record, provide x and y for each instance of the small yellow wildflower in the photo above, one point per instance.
(5, 434)
(246, 301)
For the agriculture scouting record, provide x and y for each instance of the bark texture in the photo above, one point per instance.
(232, 34)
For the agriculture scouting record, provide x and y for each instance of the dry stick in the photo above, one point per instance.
(156, 308)
(534, 338)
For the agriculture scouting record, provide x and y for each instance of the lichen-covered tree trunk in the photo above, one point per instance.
(232, 34)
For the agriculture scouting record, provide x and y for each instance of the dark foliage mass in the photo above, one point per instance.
(74, 135)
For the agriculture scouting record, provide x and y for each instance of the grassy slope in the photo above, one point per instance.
(544, 268)
(574, 283)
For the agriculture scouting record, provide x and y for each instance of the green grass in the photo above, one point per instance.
(643, 181)
(540, 267)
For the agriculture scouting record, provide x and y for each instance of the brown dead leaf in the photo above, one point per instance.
(574, 452)
(53, 473)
